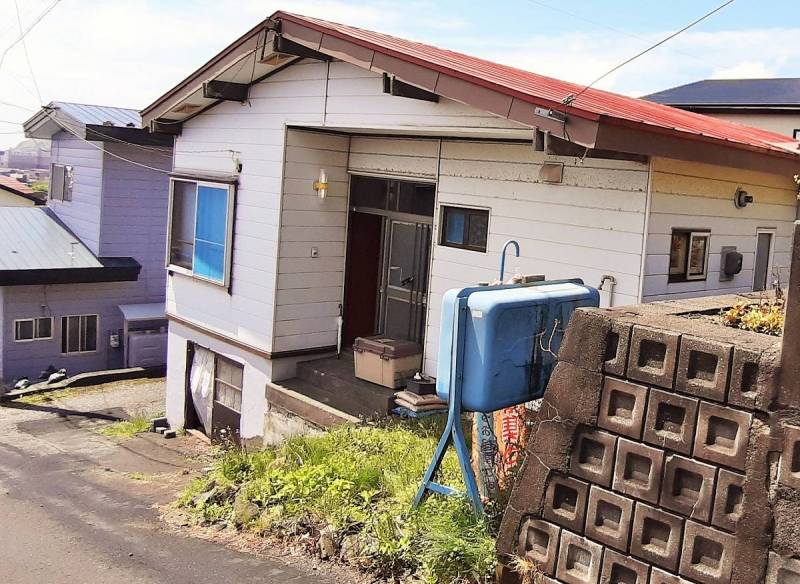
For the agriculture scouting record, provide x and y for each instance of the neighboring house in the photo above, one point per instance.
(428, 162)
(16, 194)
(69, 272)
(770, 104)
(29, 154)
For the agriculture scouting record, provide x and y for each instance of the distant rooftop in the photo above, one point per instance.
(16, 187)
(98, 123)
(779, 93)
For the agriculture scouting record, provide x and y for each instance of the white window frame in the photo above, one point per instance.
(67, 185)
(228, 229)
(693, 234)
(65, 330)
(35, 320)
(771, 263)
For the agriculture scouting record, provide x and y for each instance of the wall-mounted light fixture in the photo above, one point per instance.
(321, 184)
(741, 198)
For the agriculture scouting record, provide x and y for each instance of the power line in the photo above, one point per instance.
(27, 56)
(21, 37)
(22, 107)
(571, 98)
(607, 27)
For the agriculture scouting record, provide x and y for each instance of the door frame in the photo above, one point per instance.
(397, 216)
(771, 261)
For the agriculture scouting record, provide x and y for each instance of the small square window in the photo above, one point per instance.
(688, 255)
(796, 134)
(464, 228)
(33, 329)
(61, 179)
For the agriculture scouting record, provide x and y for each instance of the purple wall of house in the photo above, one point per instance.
(133, 217)
(30, 357)
(118, 209)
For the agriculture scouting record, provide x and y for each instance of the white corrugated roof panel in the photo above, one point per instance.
(100, 115)
(150, 311)
(30, 239)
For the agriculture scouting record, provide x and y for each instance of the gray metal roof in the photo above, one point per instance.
(99, 114)
(30, 239)
(779, 92)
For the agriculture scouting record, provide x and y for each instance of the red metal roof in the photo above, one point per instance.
(592, 104)
(16, 186)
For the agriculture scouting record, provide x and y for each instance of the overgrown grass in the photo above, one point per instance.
(355, 485)
(127, 428)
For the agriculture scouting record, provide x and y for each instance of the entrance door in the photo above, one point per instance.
(763, 263)
(405, 288)
(388, 249)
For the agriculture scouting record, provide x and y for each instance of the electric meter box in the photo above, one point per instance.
(509, 337)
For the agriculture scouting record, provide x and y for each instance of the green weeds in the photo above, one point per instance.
(350, 491)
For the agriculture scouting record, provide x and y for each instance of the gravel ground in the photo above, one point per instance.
(77, 506)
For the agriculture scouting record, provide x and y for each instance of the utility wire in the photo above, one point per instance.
(27, 56)
(21, 37)
(572, 97)
(22, 107)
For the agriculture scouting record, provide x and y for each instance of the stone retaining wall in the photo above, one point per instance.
(660, 454)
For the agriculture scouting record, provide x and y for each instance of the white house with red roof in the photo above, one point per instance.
(329, 176)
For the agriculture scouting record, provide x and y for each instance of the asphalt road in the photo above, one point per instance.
(77, 507)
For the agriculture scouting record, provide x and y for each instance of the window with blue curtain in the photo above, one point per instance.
(210, 232)
(205, 208)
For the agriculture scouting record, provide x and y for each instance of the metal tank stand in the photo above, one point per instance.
(453, 430)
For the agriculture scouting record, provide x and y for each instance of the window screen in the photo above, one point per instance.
(464, 228)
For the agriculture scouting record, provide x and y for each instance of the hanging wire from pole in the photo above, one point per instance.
(572, 97)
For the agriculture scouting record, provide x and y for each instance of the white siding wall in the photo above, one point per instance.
(82, 214)
(700, 196)
(786, 124)
(587, 226)
(301, 94)
(310, 288)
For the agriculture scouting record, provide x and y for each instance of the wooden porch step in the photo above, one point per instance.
(332, 381)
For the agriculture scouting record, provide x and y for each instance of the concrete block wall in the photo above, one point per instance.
(661, 455)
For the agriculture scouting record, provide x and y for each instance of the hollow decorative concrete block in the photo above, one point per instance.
(782, 570)
(608, 518)
(592, 456)
(703, 368)
(790, 458)
(565, 502)
(752, 384)
(637, 471)
(538, 542)
(671, 420)
(659, 576)
(653, 356)
(619, 569)
(656, 536)
(722, 435)
(688, 487)
(579, 560)
(617, 345)
(707, 555)
(622, 407)
(728, 500)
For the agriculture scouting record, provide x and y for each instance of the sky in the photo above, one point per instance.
(128, 52)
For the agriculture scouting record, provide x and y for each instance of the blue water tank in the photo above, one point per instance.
(508, 336)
